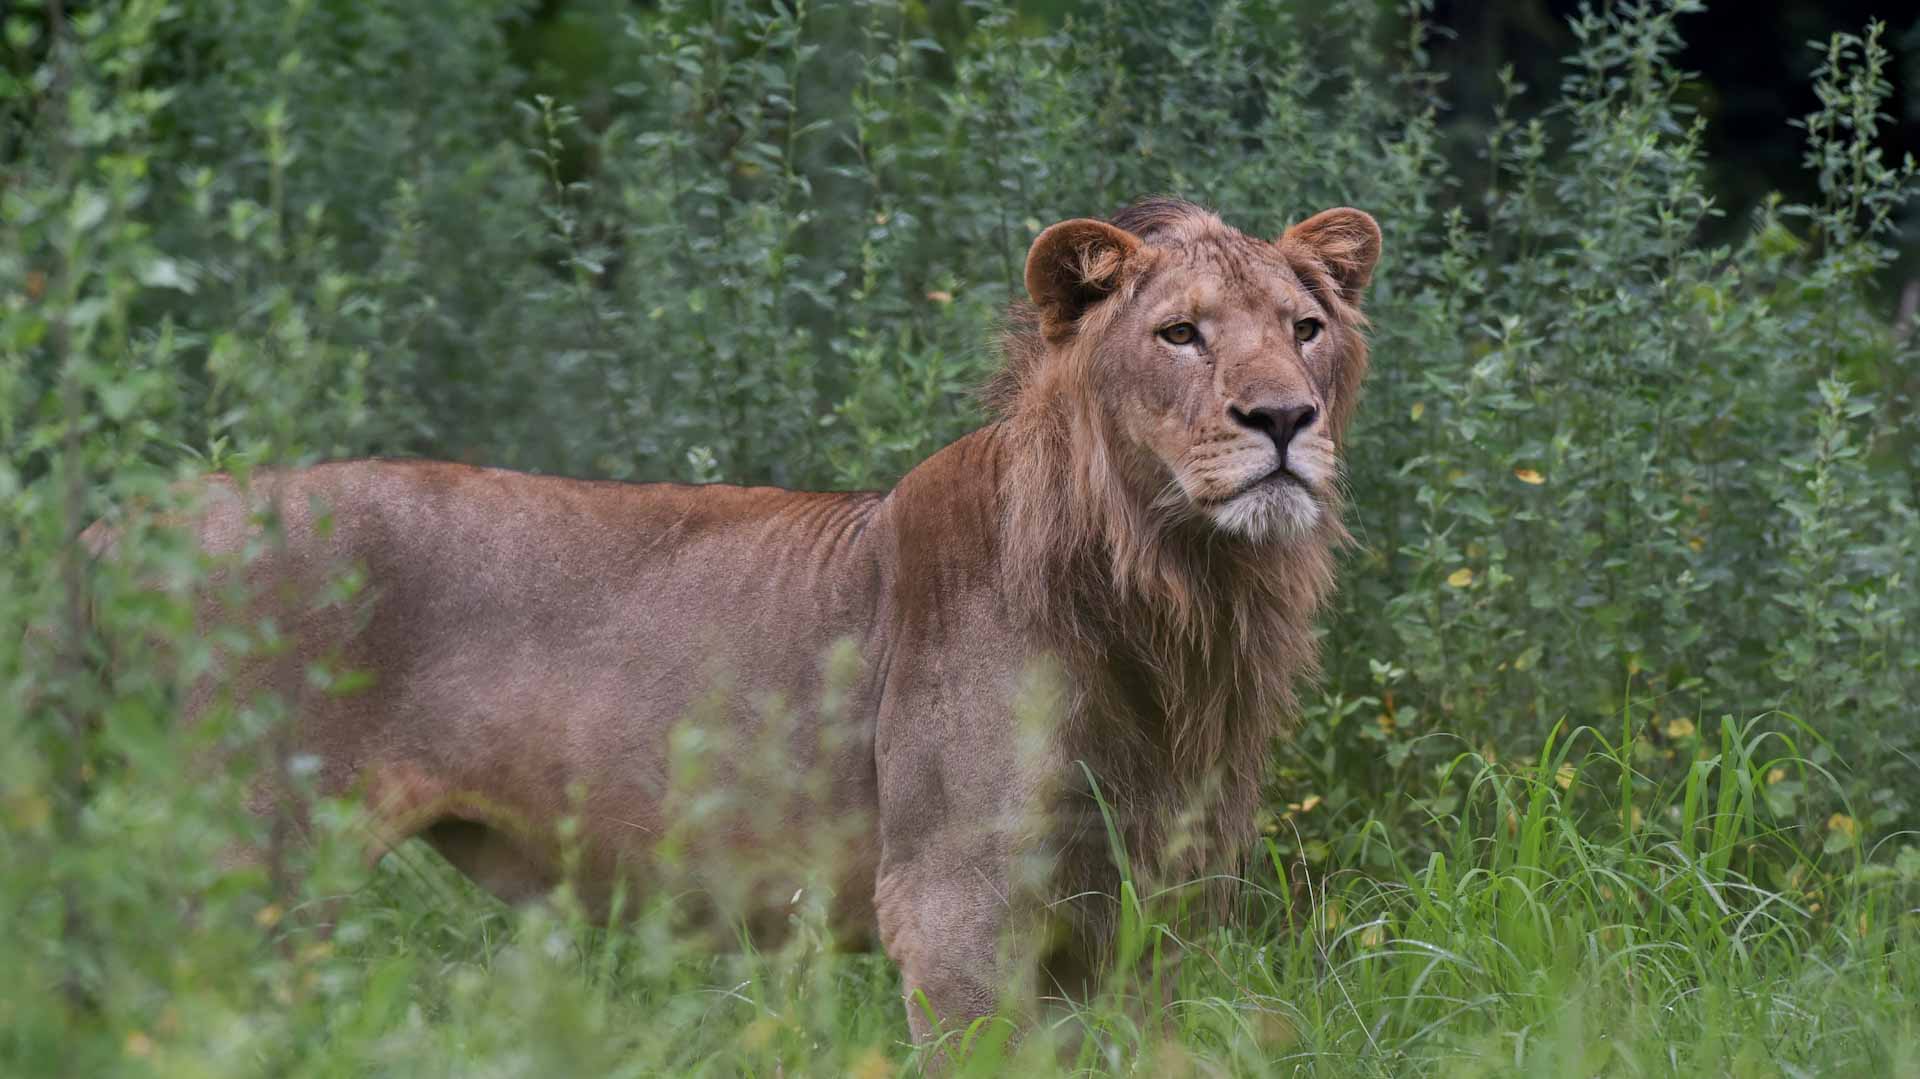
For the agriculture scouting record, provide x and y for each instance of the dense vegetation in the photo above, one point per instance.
(1613, 769)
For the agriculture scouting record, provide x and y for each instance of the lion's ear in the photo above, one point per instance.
(1344, 241)
(1073, 265)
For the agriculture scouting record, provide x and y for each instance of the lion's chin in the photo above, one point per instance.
(1272, 511)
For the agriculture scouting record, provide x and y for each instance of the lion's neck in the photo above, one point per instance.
(1182, 646)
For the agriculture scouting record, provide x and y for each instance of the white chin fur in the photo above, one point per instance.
(1270, 512)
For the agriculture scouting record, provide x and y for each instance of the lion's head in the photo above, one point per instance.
(1221, 368)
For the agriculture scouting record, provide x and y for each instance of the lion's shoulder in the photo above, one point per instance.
(946, 516)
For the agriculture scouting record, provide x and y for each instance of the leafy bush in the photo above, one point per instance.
(1606, 481)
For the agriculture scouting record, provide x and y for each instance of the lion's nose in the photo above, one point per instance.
(1278, 422)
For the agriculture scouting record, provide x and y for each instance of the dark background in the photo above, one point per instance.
(1753, 60)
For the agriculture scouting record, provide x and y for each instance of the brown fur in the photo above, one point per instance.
(1118, 576)
(1183, 644)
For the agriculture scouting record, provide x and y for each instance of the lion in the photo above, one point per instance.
(1133, 550)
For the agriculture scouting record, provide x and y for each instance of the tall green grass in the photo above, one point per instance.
(1536, 941)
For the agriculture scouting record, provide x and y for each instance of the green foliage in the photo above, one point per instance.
(1606, 481)
(1599, 464)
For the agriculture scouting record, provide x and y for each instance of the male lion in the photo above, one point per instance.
(1134, 548)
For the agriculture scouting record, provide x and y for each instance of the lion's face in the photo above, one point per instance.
(1219, 369)
(1223, 364)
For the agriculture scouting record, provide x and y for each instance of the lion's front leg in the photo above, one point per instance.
(963, 862)
(951, 925)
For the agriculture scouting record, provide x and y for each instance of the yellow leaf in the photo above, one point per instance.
(1528, 475)
(1168, 1058)
(758, 1034)
(870, 1064)
(1840, 822)
(1679, 728)
(1272, 1030)
(1460, 578)
(1418, 410)
(1563, 778)
(30, 812)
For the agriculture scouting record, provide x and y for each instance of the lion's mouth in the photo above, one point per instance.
(1277, 506)
(1281, 476)
(1280, 479)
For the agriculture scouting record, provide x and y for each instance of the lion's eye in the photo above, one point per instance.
(1180, 333)
(1306, 329)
